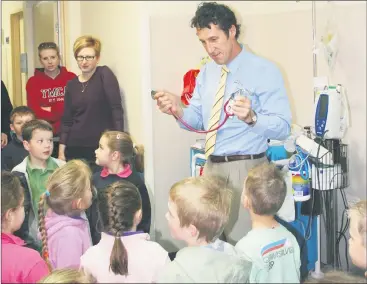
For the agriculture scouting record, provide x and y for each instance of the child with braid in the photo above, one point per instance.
(19, 264)
(118, 156)
(123, 254)
(64, 229)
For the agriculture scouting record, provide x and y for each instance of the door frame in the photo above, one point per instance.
(15, 57)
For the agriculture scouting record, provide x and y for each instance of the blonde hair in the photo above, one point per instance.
(117, 205)
(204, 202)
(87, 41)
(64, 185)
(358, 213)
(122, 143)
(67, 275)
(266, 189)
(337, 277)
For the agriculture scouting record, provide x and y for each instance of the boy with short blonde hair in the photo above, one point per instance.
(14, 152)
(198, 210)
(272, 249)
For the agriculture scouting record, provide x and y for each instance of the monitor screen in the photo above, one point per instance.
(323, 103)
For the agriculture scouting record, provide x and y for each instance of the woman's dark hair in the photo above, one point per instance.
(117, 205)
(216, 14)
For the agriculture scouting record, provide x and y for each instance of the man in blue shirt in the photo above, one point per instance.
(260, 107)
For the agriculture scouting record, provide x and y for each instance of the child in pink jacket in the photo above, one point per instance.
(64, 229)
(123, 253)
(19, 264)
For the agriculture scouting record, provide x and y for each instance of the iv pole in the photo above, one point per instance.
(317, 274)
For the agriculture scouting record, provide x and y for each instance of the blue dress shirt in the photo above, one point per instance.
(269, 100)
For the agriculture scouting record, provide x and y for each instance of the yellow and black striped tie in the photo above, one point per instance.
(215, 113)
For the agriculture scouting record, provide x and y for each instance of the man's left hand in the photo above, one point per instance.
(242, 108)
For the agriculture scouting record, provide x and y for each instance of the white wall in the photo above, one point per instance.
(8, 8)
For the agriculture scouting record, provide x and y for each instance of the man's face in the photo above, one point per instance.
(18, 122)
(217, 44)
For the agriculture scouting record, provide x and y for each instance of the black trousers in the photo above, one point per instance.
(83, 153)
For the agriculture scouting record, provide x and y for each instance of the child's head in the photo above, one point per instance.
(12, 199)
(198, 209)
(68, 192)
(116, 146)
(120, 211)
(38, 139)
(67, 275)
(264, 190)
(18, 117)
(358, 234)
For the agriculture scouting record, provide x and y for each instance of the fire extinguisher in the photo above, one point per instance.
(190, 81)
(189, 85)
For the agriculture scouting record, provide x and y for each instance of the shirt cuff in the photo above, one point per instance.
(262, 124)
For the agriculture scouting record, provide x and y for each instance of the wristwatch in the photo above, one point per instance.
(253, 118)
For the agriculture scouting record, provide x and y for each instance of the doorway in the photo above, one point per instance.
(18, 56)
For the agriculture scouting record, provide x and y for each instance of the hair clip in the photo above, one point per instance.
(47, 193)
(118, 136)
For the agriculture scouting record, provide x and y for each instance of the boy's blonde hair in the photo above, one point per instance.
(122, 143)
(64, 185)
(204, 202)
(67, 275)
(266, 189)
(87, 41)
(358, 212)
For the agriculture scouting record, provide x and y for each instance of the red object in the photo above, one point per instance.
(43, 91)
(189, 85)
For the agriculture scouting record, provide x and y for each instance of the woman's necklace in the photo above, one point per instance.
(84, 86)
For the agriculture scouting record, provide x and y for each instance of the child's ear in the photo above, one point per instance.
(246, 202)
(11, 127)
(76, 204)
(115, 155)
(138, 216)
(26, 145)
(193, 231)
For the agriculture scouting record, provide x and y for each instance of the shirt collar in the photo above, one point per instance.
(11, 239)
(123, 174)
(50, 165)
(234, 65)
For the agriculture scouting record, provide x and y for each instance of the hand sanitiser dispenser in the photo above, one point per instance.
(331, 112)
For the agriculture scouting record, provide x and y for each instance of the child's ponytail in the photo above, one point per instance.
(118, 205)
(139, 158)
(42, 229)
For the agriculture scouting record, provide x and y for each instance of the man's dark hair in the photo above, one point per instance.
(35, 124)
(217, 14)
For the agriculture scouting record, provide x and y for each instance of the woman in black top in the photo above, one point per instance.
(92, 104)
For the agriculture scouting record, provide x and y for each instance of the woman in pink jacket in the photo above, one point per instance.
(19, 264)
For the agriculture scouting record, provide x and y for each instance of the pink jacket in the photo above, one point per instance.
(20, 264)
(146, 259)
(68, 239)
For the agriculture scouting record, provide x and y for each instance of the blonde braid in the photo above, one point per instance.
(42, 230)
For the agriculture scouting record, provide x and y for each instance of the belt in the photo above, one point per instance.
(222, 159)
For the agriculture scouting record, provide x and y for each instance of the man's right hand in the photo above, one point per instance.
(168, 102)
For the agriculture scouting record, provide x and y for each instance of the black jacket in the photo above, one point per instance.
(13, 154)
(100, 184)
(6, 108)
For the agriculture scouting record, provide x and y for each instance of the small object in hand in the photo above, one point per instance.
(152, 93)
